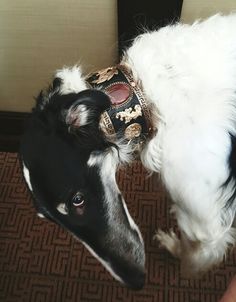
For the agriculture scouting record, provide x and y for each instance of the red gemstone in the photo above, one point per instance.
(118, 93)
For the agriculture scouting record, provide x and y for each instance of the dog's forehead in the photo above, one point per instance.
(53, 164)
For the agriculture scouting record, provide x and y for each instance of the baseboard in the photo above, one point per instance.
(11, 129)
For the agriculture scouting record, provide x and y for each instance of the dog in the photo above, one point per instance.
(172, 100)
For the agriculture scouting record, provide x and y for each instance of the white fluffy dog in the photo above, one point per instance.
(188, 76)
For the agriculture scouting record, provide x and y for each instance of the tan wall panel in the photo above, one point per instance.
(38, 37)
(195, 9)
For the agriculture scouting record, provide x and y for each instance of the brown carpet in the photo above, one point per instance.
(40, 262)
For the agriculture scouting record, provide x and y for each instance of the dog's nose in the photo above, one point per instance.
(137, 282)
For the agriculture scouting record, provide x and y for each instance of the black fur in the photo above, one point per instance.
(232, 168)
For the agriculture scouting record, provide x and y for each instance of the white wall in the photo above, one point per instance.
(195, 9)
(39, 36)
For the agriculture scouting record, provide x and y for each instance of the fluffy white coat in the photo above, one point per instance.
(189, 74)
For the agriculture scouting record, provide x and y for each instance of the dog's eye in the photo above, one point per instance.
(78, 200)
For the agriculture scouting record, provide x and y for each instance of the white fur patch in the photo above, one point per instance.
(72, 80)
(132, 224)
(27, 177)
(95, 159)
(62, 209)
(122, 155)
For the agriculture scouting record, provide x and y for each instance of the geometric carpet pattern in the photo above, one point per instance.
(41, 262)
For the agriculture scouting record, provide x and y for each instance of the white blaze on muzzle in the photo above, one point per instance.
(27, 177)
(107, 164)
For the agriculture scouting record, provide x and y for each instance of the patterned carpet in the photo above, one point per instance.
(40, 262)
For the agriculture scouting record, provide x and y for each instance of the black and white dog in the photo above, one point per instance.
(173, 97)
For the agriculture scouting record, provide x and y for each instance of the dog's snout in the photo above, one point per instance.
(137, 281)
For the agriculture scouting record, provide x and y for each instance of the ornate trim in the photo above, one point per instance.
(128, 115)
(138, 92)
(106, 124)
(104, 75)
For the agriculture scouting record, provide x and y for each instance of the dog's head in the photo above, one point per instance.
(70, 168)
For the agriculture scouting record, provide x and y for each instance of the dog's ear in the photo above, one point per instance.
(87, 108)
(45, 96)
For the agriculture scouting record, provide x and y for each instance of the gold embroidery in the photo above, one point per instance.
(106, 124)
(132, 131)
(138, 91)
(129, 114)
(105, 75)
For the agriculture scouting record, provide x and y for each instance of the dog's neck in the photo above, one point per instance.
(129, 116)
